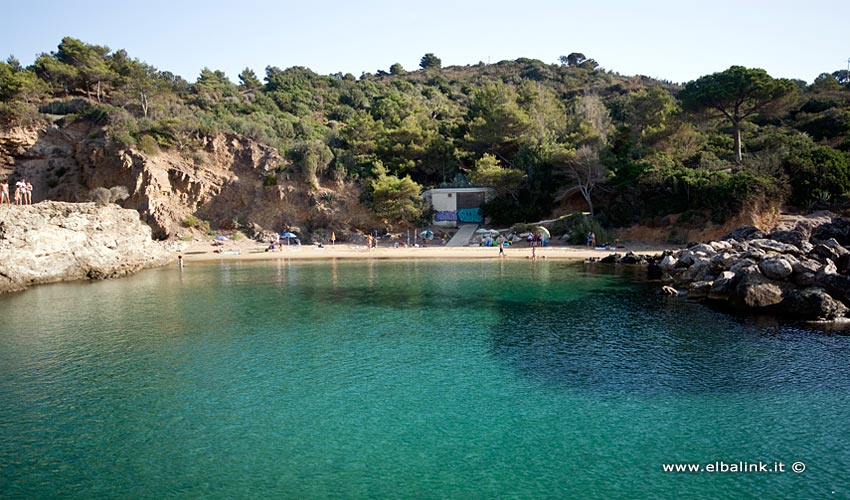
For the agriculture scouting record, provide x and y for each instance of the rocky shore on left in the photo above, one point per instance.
(54, 241)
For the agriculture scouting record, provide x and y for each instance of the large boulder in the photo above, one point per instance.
(610, 259)
(745, 233)
(723, 287)
(668, 262)
(721, 245)
(699, 289)
(755, 291)
(776, 268)
(812, 304)
(836, 285)
(838, 229)
(630, 258)
(54, 241)
(774, 246)
(796, 238)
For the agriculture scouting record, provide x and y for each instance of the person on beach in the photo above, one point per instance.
(20, 186)
(4, 193)
(28, 188)
(180, 261)
(501, 242)
(536, 241)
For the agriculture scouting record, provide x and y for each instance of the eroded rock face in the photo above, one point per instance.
(54, 241)
(224, 179)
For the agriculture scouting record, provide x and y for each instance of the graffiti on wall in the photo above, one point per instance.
(462, 215)
(469, 215)
(445, 216)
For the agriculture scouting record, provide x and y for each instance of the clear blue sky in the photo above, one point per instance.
(673, 40)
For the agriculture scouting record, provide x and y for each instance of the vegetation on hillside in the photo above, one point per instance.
(548, 137)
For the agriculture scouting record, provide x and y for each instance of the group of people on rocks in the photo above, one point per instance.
(22, 195)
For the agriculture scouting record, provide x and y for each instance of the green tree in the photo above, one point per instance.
(20, 84)
(59, 76)
(646, 115)
(14, 63)
(578, 60)
(90, 61)
(137, 80)
(496, 123)
(248, 80)
(583, 172)
(820, 171)
(735, 94)
(212, 87)
(313, 158)
(397, 69)
(429, 60)
(488, 172)
(396, 200)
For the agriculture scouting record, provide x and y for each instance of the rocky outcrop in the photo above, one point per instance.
(799, 271)
(227, 180)
(54, 241)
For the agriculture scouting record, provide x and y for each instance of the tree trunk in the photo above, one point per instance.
(586, 194)
(736, 132)
(144, 104)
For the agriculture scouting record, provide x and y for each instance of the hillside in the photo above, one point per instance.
(332, 152)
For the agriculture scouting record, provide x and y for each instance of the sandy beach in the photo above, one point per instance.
(246, 249)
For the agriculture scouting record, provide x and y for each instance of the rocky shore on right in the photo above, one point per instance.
(799, 270)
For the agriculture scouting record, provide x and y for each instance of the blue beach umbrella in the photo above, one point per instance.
(288, 235)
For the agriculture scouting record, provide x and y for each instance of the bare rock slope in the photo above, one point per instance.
(54, 241)
(227, 180)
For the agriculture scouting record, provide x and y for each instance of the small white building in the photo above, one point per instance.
(455, 206)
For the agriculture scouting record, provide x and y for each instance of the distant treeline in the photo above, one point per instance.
(545, 136)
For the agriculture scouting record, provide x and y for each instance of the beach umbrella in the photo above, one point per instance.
(482, 231)
(543, 231)
(493, 232)
(427, 234)
(288, 235)
(221, 238)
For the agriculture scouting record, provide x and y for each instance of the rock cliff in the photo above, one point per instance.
(54, 241)
(225, 179)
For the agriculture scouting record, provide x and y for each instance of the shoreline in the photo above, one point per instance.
(249, 250)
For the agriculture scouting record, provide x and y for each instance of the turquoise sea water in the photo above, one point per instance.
(408, 380)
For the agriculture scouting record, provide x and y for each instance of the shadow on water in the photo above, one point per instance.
(632, 340)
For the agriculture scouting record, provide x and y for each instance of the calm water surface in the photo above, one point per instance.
(408, 380)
